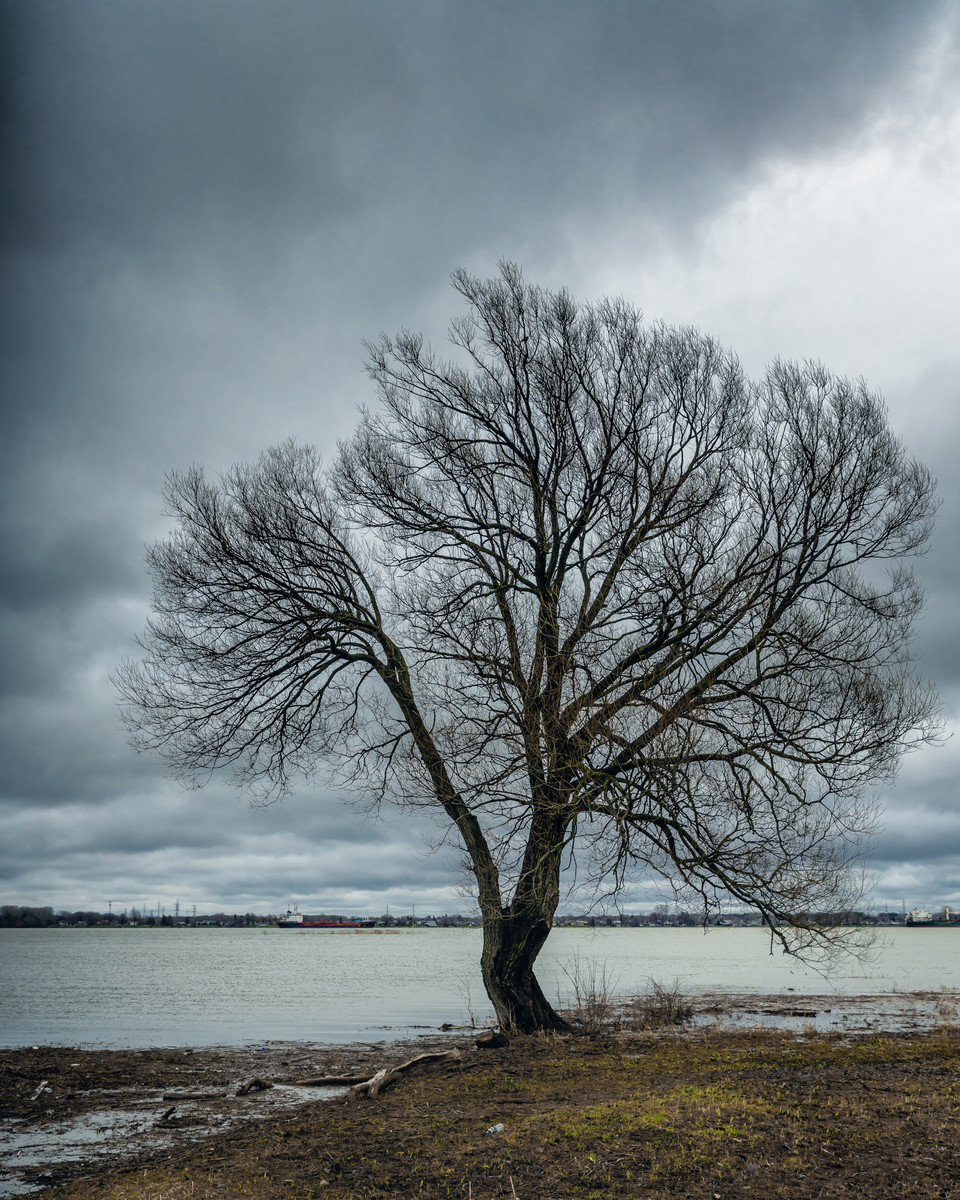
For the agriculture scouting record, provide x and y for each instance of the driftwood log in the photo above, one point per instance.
(256, 1084)
(360, 1085)
(491, 1040)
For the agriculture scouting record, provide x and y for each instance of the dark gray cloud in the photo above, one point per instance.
(206, 207)
(214, 851)
(147, 121)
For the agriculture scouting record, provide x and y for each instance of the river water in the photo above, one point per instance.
(146, 987)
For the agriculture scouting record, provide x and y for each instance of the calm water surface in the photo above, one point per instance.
(173, 987)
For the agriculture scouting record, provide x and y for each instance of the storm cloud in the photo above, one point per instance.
(207, 207)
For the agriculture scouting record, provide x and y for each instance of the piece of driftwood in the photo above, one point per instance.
(330, 1081)
(256, 1084)
(193, 1095)
(361, 1085)
(383, 1078)
(39, 1092)
(491, 1040)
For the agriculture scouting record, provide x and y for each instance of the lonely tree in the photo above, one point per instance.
(588, 592)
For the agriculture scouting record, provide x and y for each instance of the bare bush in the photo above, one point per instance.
(591, 1007)
(947, 1003)
(662, 1006)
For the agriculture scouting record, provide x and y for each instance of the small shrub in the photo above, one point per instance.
(661, 1006)
(593, 1006)
(946, 1005)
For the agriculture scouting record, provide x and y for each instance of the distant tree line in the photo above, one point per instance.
(20, 914)
(36, 917)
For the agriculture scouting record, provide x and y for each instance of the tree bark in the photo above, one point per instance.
(510, 948)
(513, 936)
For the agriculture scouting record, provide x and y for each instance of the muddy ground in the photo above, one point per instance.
(771, 1097)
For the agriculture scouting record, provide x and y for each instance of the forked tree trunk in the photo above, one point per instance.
(510, 947)
(513, 935)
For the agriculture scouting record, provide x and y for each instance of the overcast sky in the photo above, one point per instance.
(208, 204)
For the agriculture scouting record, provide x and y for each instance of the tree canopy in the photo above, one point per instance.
(586, 590)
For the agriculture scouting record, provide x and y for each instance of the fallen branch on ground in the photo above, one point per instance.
(360, 1085)
(330, 1081)
(256, 1084)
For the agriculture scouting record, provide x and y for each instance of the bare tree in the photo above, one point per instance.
(587, 591)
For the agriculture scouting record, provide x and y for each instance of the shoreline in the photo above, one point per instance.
(70, 1113)
(793, 1009)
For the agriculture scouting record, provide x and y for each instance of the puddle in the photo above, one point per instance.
(26, 1145)
(32, 1155)
(890, 1013)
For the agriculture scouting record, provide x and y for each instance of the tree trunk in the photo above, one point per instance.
(511, 943)
(514, 935)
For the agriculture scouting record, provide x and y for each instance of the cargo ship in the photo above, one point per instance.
(919, 917)
(294, 919)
